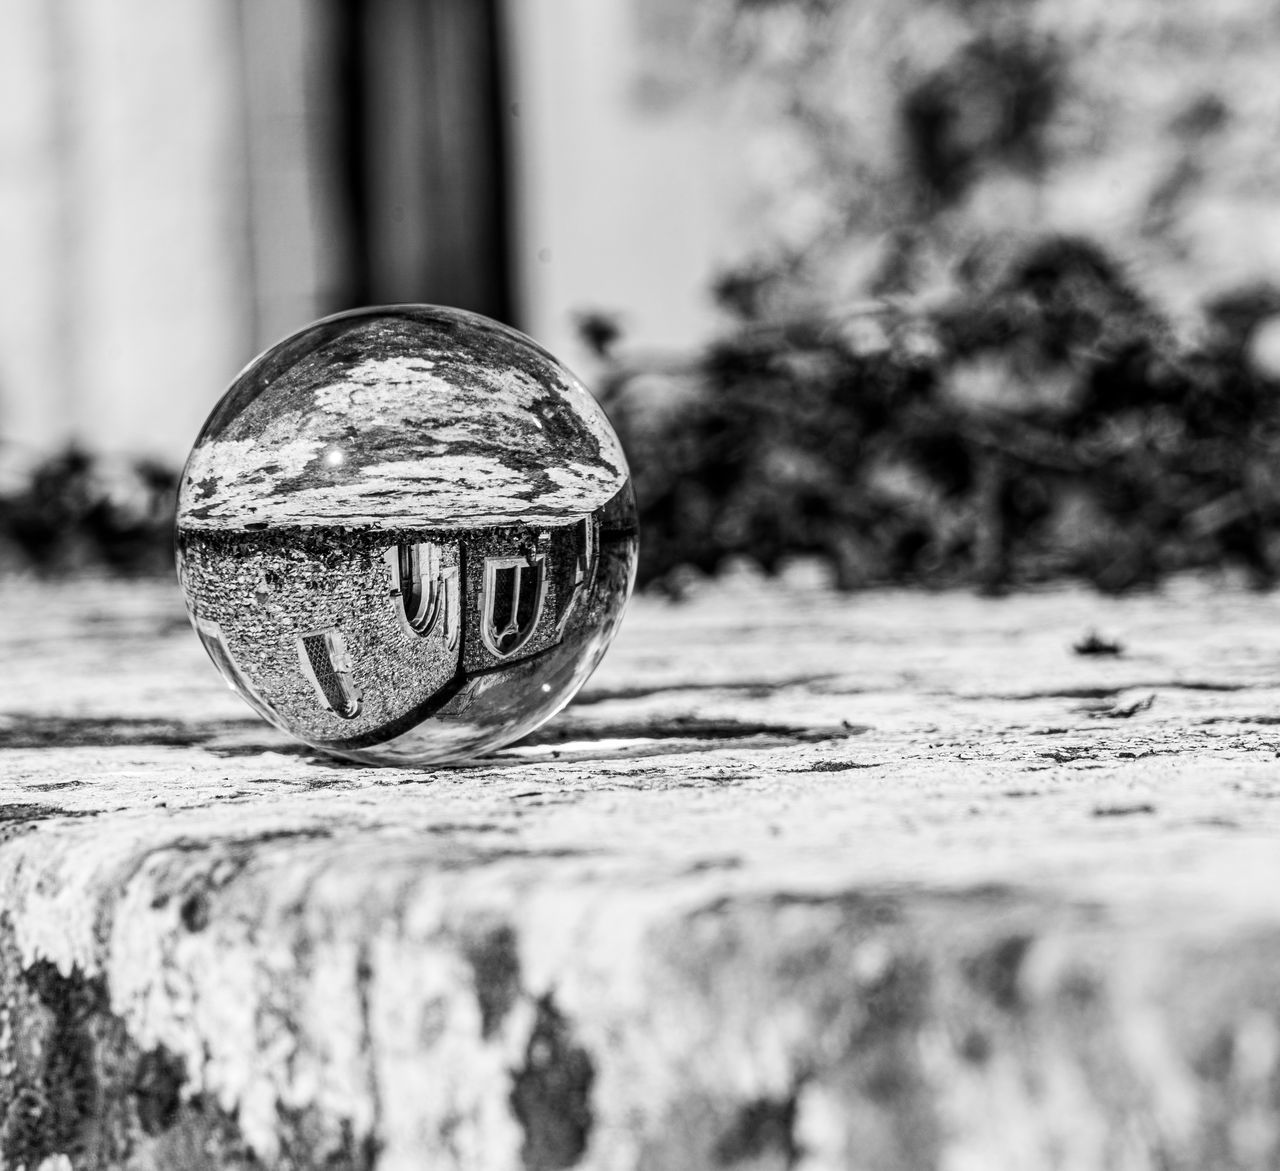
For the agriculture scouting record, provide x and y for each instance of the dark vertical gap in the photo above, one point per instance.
(411, 584)
(499, 92)
(418, 149)
(349, 50)
(505, 604)
(528, 595)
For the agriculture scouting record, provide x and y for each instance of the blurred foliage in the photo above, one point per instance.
(78, 513)
(1043, 421)
(929, 375)
(912, 385)
(989, 105)
(878, 144)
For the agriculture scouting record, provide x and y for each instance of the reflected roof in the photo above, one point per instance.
(412, 416)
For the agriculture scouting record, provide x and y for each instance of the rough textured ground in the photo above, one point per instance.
(891, 881)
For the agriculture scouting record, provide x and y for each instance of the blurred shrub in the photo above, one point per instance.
(1002, 404)
(81, 513)
(986, 107)
(1043, 421)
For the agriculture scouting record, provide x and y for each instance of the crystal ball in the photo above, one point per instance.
(406, 535)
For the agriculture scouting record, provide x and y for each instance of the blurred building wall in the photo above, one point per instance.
(182, 184)
(624, 190)
(294, 207)
(121, 220)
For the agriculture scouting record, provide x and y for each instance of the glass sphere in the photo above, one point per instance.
(406, 535)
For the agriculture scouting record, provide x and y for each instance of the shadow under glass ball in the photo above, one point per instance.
(406, 535)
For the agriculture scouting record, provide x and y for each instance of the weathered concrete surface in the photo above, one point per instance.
(893, 881)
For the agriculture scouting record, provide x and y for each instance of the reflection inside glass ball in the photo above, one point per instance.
(406, 535)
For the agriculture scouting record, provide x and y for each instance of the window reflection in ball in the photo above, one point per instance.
(406, 535)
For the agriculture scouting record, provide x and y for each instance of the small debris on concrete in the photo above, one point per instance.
(1124, 711)
(1094, 644)
(1124, 810)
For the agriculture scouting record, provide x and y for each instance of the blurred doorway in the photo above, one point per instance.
(420, 152)
(184, 184)
(376, 156)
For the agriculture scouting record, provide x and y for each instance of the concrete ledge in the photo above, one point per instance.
(892, 881)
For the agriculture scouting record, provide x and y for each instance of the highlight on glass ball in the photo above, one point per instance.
(406, 535)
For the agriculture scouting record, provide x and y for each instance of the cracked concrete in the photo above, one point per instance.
(890, 881)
